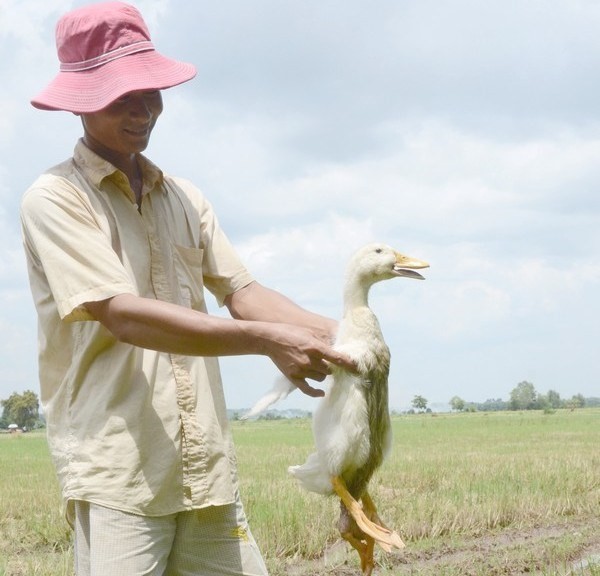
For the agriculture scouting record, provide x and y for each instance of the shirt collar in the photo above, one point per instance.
(97, 168)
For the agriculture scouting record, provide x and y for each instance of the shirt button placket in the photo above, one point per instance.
(193, 448)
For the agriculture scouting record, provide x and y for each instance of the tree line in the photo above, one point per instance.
(525, 397)
(24, 409)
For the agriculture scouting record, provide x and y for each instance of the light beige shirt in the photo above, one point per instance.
(132, 429)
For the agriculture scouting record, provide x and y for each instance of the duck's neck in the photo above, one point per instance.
(356, 294)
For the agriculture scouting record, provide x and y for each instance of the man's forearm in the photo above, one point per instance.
(174, 329)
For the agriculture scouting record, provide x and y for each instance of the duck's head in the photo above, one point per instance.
(376, 262)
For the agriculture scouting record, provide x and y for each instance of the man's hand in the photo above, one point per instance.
(300, 355)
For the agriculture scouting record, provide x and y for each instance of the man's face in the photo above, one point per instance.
(123, 128)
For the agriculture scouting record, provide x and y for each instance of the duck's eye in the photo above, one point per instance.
(378, 250)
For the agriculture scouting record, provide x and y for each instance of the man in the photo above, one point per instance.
(118, 257)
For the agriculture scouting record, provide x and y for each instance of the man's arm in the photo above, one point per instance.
(157, 325)
(257, 302)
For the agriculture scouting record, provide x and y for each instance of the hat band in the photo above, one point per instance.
(109, 56)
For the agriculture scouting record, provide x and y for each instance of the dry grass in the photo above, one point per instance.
(34, 539)
(471, 494)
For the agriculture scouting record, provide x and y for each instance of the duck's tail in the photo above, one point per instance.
(312, 475)
(281, 388)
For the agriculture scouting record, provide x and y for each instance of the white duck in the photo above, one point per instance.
(351, 425)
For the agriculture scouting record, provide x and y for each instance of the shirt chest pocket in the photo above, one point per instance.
(187, 263)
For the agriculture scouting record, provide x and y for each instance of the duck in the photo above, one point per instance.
(351, 425)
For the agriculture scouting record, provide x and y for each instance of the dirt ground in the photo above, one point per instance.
(567, 549)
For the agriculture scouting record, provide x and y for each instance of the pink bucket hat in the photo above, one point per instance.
(105, 51)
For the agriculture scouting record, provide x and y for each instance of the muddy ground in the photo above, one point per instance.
(566, 549)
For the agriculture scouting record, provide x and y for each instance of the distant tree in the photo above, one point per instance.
(577, 401)
(493, 405)
(419, 403)
(523, 397)
(553, 399)
(457, 403)
(21, 409)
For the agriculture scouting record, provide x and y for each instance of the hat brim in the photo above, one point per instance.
(92, 90)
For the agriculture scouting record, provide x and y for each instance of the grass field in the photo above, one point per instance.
(470, 494)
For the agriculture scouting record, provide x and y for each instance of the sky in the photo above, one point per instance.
(463, 133)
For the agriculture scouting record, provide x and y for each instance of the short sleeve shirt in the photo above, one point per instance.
(129, 428)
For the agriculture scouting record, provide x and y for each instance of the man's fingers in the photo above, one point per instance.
(341, 360)
(306, 388)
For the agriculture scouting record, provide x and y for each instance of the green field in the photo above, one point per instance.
(471, 494)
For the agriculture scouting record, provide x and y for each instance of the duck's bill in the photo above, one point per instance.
(406, 266)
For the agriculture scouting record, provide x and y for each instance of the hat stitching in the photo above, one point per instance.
(109, 56)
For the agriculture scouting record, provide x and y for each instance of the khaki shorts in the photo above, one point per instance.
(214, 541)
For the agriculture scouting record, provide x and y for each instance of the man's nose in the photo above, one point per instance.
(139, 107)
